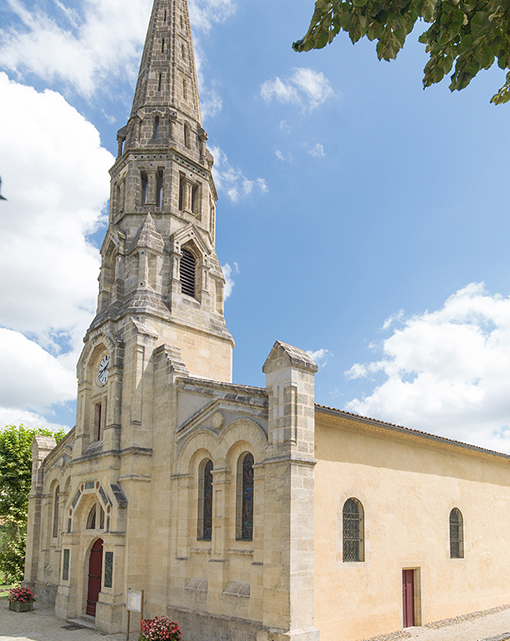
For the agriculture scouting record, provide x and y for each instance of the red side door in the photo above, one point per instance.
(95, 572)
(408, 597)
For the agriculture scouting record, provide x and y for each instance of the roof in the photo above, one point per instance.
(409, 431)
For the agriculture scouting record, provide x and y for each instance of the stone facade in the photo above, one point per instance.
(229, 505)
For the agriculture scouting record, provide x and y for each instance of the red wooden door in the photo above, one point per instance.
(408, 596)
(95, 572)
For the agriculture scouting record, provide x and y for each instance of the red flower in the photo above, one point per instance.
(23, 595)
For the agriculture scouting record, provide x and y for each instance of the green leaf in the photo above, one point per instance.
(479, 24)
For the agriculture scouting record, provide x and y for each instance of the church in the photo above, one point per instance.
(243, 513)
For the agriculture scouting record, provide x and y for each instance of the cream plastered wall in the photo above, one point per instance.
(408, 485)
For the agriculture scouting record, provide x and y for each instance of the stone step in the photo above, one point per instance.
(85, 621)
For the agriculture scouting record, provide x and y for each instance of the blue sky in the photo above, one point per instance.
(360, 217)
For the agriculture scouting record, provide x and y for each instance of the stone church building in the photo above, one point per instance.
(245, 514)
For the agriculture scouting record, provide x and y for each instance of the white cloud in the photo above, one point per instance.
(305, 87)
(32, 379)
(82, 50)
(228, 272)
(232, 181)
(28, 419)
(317, 151)
(319, 357)
(55, 176)
(203, 13)
(448, 371)
(280, 156)
(211, 102)
(394, 318)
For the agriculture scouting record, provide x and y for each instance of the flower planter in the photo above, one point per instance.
(19, 606)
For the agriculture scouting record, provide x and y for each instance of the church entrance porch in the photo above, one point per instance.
(94, 577)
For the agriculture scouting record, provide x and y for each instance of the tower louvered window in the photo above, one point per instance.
(187, 273)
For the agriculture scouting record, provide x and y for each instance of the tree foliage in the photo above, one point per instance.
(470, 34)
(15, 478)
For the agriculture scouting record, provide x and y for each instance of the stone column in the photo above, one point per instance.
(288, 591)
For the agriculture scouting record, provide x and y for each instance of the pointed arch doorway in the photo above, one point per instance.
(95, 573)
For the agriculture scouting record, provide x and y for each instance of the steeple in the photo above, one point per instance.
(167, 76)
(159, 265)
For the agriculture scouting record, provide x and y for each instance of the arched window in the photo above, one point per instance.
(353, 531)
(456, 534)
(187, 273)
(244, 507)
(156, 128)
(96, 515)
(55, 513)
(205, 497)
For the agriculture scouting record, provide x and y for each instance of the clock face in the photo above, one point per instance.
(102, 373)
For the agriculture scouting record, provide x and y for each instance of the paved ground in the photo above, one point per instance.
(41, 625)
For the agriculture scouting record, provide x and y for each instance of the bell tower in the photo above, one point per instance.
(159, 263)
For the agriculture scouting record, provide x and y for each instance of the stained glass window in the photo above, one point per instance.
(353, 531)
(108, 569)
(456, 534)
(205, 499)
(245, 498)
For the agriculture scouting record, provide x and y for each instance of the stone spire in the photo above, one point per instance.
(159, 265)
(167, 76)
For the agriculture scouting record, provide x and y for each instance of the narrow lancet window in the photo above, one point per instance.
(55, 513)
(456, 534)
(205, 498)
(353, 531)
(159, 82)
(187, 273)
(163, 45)
(159, 189)
(245, 496)
(145, 188)
(98, 418)
(186, 135)
(195, 199)
(182, 187)
(156, 128)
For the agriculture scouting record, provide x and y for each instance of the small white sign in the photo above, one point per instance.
(134, 601)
